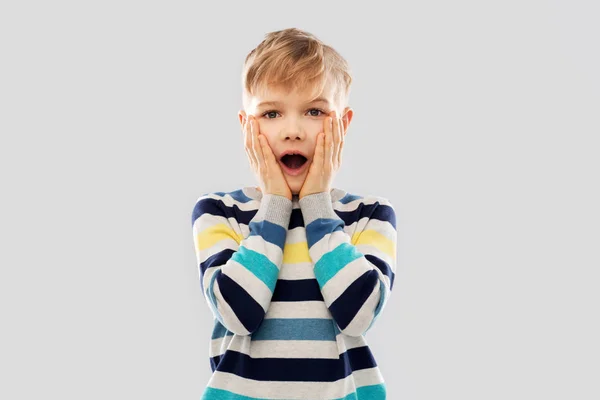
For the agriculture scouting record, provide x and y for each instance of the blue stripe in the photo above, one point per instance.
(220, 331)
(295, 329)
(349, 303)
(321, 227)
(259, 264)
(269, 231)
(295, 369)
(331, 262)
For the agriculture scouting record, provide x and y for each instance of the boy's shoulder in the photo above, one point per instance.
(346, 199)
(239, 195)
(366, 199)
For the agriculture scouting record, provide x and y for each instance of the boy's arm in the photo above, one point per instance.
(355, 274)
(238, 275)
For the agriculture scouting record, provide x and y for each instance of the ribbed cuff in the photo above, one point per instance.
(315, 206)
(274, 208)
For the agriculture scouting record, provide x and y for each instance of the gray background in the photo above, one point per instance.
(478, 120)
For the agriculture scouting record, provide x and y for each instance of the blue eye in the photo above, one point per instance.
(271, 112)
(316, 109)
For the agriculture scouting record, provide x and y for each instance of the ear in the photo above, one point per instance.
(347, 115)
(242, 118)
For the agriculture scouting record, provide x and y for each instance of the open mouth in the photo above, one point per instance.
(293, 164)
(293, 161)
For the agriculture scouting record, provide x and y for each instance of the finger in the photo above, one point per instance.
(256, 147)
(329, 144)
(318, 159)
(336, 141)
(268, 155)
(248, 143)
(340, 152)
(338, 144)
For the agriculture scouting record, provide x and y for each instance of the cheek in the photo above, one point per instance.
(268, 131)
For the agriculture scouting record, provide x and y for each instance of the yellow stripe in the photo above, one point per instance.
(376, 239)
(210, 236)
(294, 253)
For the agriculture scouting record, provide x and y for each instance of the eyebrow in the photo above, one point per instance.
(278, 103)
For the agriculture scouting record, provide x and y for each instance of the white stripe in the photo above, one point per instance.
(295, 235)
(286, 389)
(291, 349)
(367, 377)
(298, 309)
(284, 348)
(295, 271)
(219, 346)
(346, 342)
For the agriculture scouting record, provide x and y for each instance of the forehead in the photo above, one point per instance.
(273, 95)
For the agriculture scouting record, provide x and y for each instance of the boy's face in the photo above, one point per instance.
(290, 121)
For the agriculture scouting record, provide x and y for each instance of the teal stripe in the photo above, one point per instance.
(295, 329)
(258, 264)
(220, 394)
(372, 392)
(331, 262)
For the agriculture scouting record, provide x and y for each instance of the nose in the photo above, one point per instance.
(293, 130)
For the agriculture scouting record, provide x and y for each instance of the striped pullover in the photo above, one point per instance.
(294, 285)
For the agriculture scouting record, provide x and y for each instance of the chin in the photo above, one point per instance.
(295, 189)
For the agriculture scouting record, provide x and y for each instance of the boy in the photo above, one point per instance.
(294, 271)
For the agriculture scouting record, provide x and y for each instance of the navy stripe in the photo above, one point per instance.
(217, 259)
(217, 207)
(294, 369)
(248, 311)
(297, 290)
(383, 267)
(347, 305)
(376, 210)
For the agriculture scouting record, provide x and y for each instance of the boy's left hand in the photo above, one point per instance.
(327, 159)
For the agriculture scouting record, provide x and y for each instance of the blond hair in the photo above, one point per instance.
(296, 59)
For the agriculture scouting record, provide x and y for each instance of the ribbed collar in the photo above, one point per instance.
(254, 193)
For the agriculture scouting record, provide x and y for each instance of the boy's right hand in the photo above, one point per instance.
(263, 162)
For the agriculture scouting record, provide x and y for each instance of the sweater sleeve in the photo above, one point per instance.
(355, 274)
(237, 274)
